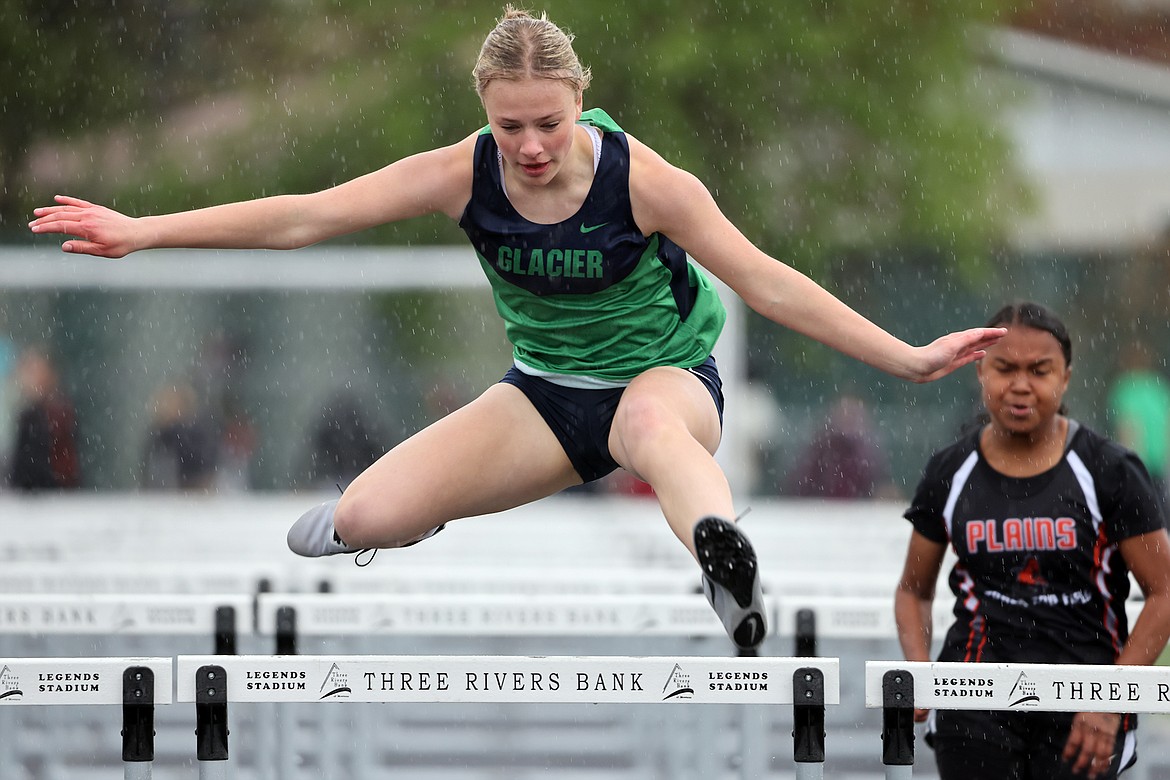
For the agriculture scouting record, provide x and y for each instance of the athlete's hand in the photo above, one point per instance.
(1091, 740)
(98, 230)
(954, 350)
(921, 715)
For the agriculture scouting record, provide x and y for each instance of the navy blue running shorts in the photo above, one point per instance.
(581, 419)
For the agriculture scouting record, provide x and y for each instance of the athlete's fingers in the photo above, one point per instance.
(95, 230)
(85, 247)
(920, 716)
(65, 205)
(1089, 748)
(955, 350)
(55, 223)
(69, 200)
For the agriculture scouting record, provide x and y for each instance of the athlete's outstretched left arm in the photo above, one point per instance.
(1093, 734)
(673, 202)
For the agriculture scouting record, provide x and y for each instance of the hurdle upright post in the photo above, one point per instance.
(138, 722)
(286, 631)
(225, 630)
(808, 717)
(211, 719)
(806, 634)
(898, 724)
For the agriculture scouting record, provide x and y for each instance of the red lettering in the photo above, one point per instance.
(1045, 533)
(993, 542)
(974, 535)
(1066, 534)
(1013, 534)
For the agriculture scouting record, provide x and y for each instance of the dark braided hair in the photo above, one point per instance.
(1038, 316)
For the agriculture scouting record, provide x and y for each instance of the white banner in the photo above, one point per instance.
(848, 617)
(76, 680)
(586, 679)
(119, 614)
(1023, 687)
(493, 614)
(93, 578)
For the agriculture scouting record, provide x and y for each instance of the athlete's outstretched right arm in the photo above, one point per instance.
(914, 600)
(425, 183)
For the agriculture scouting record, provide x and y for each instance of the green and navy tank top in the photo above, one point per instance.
(589, 297)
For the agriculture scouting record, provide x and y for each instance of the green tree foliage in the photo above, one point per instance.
(824, 125)
(837, 124)
(82, 83)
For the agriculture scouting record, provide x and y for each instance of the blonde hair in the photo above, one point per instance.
(523, 46)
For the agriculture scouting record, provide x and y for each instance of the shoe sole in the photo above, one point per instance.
(728, 559)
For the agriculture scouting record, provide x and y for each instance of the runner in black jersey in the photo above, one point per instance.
(1047, 520)
(584, 233)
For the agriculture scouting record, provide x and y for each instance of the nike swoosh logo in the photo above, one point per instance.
(754, 626)
(592, 228)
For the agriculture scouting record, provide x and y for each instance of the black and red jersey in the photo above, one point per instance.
(1039, 578)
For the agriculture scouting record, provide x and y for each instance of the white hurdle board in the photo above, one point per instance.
(514, 579)
(1022, 687)
(496, 679)
(139, 577)
(492, 614)
(164, 614)
(849, 617)
(37, 681)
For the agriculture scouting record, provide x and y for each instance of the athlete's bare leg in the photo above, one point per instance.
(493, 454)
(665, 432)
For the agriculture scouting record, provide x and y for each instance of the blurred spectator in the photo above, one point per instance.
(237, 450)
(844, 459)
(1139, 409)
(344, 442)
(180, 452)
(44, 454)
(623, 483)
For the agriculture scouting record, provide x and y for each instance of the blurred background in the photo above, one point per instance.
(928, 164)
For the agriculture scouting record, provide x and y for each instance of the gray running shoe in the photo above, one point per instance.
(314, 536)
(731, 580)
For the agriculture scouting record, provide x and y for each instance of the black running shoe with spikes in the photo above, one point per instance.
(731, 580)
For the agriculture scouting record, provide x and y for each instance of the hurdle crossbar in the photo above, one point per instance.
(38, 681)
(1022, 687)
(138, 684)
(212, 682)
(498, 679)
(327, 614)
(898, 687)
(164, 614)
(845, 617)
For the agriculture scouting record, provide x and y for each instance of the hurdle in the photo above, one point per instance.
(808, 618)
(900, 687)
(288, 615)
(213, 682)
(198, 576)
(138, 684)
(103, 614)
(291, 617)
